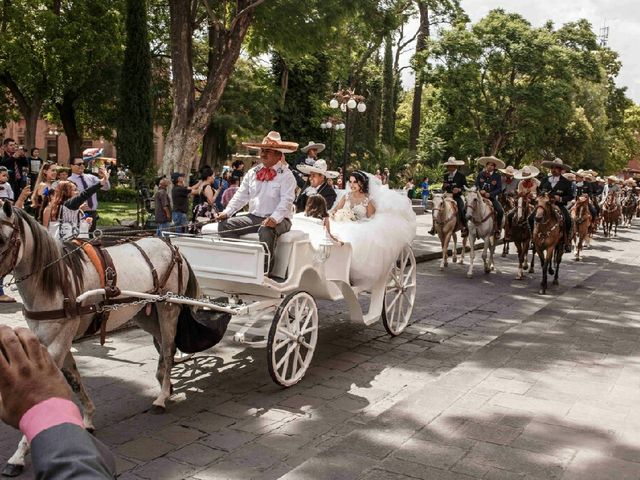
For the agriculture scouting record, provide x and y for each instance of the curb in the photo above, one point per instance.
(426, 257)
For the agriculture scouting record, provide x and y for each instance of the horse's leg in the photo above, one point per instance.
(472, 250)
(558, 259)
(492, 251)
(444, 242)
(485, 249)
(168, 320)
(464, 249)
(71, 373)
(15, 465)
(520, 272)
(543, 262)
(454, 256)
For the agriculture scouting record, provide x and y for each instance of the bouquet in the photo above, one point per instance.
(344, 215)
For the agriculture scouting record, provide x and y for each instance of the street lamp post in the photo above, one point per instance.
(347, 101)
(334, 124)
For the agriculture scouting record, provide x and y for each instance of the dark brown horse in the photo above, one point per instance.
(548, 239)
(629, 206)
(508, 203)
(521, 234)
(582, 223)
(611, 213)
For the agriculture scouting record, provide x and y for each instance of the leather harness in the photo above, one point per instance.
(103, 263)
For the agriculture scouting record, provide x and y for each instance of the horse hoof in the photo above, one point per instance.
(91, 430)
(504, 254)
(11, 470)
(555, 282)
(441, 268)
(469, 275)
(541, 291)
(157, 410)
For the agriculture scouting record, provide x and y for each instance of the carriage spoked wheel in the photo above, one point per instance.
(292, 338)
(400, 293)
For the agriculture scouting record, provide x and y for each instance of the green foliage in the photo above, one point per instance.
(135, 125)
(118, 194)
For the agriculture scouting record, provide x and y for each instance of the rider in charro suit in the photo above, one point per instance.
(455, 183)
(561, 190)
(489, 182)
(316, 184)
(585, 187)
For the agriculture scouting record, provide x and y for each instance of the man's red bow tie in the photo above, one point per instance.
(266, 174)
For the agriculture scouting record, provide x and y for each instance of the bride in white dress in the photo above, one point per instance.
(376, 221)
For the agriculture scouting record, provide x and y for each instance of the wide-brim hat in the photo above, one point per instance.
(482, 161)
(612, 178)
(600, 179)
(273, 141)
(319, 147)
(510, 171)
(526, 173)
(319, 166)
(452, 162)
(570, 176)
(556, 163)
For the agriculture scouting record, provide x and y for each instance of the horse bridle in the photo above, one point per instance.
(473, 209)
(13, 249)
(444, 222)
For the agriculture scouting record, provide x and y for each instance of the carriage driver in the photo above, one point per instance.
(560, 189)
(270, 189)
(454, 183)
(489, 183)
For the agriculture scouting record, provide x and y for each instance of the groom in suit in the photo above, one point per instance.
(316, 184)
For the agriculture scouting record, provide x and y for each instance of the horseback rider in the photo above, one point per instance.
(610, 187)
(509, 183)
(561, 190)
(489, 183)
(584, 186)
(455, 182)
(527, 188)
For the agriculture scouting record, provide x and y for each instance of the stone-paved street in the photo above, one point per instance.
(491, 381)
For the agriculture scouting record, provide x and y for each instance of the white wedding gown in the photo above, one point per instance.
(375, 241)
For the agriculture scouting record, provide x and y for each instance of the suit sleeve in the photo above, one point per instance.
(330, 196)
(69, 451)
(75, 202)
(463, 181)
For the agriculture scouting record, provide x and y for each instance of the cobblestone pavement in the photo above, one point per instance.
(491, 381)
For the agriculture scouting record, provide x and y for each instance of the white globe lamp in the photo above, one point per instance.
(351, 104)
(334, 103)
(362, 107)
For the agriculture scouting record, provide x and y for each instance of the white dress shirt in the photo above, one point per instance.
(266, 199)
(90, 180)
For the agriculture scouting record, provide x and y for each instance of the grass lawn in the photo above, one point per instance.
(110, 211)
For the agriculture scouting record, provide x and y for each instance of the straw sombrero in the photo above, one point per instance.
(570, 176)
(319, 166)
(509, 171)
(319, 147)
(612, 178)
(556, 163)
(273, 142)
(526, 172)
(453, 162)
(482, 161)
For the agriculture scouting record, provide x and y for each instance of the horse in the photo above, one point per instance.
(548, 239)
(51, 275)
(508, 204)
(480, 218)
(582, 223)
(611, 215)
(629, 206)
(521, 234)
(445, 222)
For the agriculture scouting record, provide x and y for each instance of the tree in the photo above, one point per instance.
(388, 110)
(135, 124)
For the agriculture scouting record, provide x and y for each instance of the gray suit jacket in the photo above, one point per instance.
(68, 451)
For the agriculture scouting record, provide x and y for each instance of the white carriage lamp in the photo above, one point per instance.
(323, 252)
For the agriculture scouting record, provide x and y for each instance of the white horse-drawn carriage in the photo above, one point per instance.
(279, 311)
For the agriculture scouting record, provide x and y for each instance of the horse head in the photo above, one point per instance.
(10, 239)
(472, 200)
(544, 205)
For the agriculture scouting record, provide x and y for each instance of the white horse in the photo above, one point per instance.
(49, 294)
(445, 222)
(480, 221)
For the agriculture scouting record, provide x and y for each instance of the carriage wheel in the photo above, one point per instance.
(400, 293)
(292, 338)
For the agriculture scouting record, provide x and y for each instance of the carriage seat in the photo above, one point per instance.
(289, 237)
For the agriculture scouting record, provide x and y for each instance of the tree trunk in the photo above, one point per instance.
(68, 118)
(31, 118)
(388, 111)
(190, 119)
(214, 147)
(421, 45)
(30, 108)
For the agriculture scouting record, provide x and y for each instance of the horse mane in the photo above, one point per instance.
(47, 250)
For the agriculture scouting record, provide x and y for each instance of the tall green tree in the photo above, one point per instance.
(388, 100)
(135, 123)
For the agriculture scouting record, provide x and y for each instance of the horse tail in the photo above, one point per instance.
(193, 288)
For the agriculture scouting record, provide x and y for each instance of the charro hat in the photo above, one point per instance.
(556, 163)
(569, 176)
(509, 171)
(319, 166)
(273, 141)
(526, 172)
(613, 178)
(319, 147)
(484, 160)
(453, 162)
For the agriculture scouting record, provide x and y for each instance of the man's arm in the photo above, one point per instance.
(497, 188)
(241, 197)
(287, 195)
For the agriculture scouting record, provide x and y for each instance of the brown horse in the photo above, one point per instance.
(446, 224)
(582, 223)
(629, 206)
(611, 213)
(508, 204)
(521, 234)
(548, 239)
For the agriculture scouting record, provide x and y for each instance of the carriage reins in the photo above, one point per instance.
(15, 242)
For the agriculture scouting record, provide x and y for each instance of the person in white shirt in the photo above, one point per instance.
(269, 188)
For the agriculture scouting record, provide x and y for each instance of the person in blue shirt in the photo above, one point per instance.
(425, 192)
(222, 183)
(489, 182)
